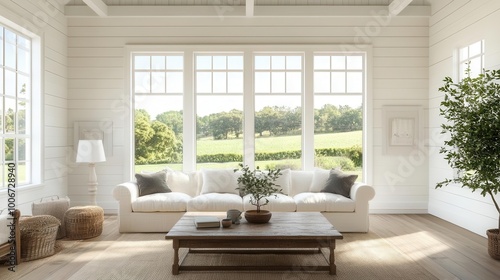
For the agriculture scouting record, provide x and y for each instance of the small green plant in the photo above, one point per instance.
(260, 184)
(473, 125)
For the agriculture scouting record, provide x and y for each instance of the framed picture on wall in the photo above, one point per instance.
(95, 131)
(401, 128)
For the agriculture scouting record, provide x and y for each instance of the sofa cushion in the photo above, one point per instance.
(319, 179)
(215, 202)
(339, 183)
(284, 180)
(329, 202)
(278, 203)
(219, 181)
(185, 182)
(5, 220)
(152, 183)
(172, 201)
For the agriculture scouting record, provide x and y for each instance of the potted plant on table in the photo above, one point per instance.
(473, 149)
(260, 185)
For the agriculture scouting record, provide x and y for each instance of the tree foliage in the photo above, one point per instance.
(473, 125)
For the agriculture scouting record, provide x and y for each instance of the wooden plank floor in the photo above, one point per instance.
(443, 249)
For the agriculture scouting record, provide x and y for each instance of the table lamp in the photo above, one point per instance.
(91, 151)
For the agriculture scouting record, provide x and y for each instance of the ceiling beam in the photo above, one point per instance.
(250, 4)
(98, 6)
(397, 6)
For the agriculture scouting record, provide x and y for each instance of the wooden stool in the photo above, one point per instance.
(83, 222)
(38, 236)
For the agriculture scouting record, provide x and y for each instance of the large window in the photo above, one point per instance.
(268, 107)
(15, 106)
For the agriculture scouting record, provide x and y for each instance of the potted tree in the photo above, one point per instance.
(473, 149)
(260, 185)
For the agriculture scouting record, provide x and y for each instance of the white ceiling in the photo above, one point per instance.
(242, 2)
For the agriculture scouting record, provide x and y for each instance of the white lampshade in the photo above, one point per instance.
(90, 151)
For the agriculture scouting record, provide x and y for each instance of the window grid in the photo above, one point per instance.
(473, 56)
(144, 76)
(269, 84)
(335, 72)
(231, 71)
(15, 105)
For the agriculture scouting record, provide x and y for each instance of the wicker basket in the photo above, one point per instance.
(38, 236)
(494, 243)
(83, 222)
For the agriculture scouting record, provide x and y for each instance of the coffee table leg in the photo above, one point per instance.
(175, 266)
(333, 267)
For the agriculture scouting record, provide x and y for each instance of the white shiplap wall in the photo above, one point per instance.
(456, 24)
(399, 71)
(46, 19)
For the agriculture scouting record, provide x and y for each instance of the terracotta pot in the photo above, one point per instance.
(494, 243)
(261, 217)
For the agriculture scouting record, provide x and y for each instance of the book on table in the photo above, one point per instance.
(206, 222)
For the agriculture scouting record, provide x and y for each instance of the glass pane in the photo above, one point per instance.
(175, 82)
(475, 67)
(219, 63)
(321, 62)
(354, 62)
(10, 55)
(21, 149)
(203, 62)
(142, 63)
(158, 132)
(158, 62)
(338, 82)
(203, 82)
(10, 36)
(262, 82)
(464, 53)
(23, 42)
(278, 62)
(220, 131)
(10, 114)
(235, 62)
(175, 62)
(294, 62)
(1, 49)
(9, 149)
(219, 82)
(475, 49)
(278, 131)
(23, 61)
(338, 124)
(21, 117)
(293, 82)
(23, 87)
(354, 82)
(338, 62)
(278, 82)
(142, 82)
(262, 62)
(23, 175)
(1, 81)
(158, 82)
(10, 83)
(1, 116)
(322, 82)
(235, 82)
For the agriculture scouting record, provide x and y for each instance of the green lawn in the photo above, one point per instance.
(279, 143)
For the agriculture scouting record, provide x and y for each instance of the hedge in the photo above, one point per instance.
(354, 153)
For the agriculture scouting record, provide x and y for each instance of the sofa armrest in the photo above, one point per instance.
(126, 193)
(361, 193)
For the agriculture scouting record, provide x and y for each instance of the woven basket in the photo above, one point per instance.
(83, 222)
(494, 243)
(38, 236)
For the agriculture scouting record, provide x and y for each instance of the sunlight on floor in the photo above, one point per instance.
(429, 245)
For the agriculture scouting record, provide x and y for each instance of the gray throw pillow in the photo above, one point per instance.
(339, 183)
(152, 183)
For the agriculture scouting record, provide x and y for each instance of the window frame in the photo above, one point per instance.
(34, 133)
(189, 132)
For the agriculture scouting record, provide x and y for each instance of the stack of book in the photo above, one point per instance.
(206, 222)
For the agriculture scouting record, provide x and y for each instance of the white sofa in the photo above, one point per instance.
(160, 211)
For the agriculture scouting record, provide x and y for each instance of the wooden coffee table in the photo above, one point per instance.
(286, 231)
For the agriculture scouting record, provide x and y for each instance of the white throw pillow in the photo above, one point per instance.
(284, 180)
(219, 181)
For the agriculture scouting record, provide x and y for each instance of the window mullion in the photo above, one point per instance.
(249, 110)
(189, 115)
(308, 113)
